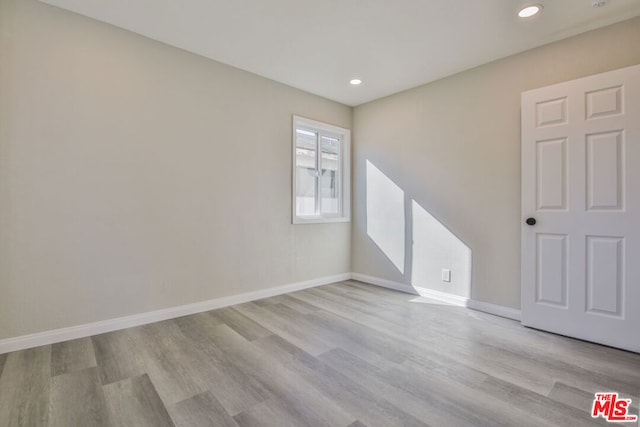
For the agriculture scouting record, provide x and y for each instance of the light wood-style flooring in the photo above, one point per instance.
(346, 354)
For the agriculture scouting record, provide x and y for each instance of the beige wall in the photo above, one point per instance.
(135, 176)
(453, 147)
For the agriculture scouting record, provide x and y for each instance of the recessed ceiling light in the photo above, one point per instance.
(355, 82)
(529, 11)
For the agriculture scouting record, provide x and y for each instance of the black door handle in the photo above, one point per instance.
(531, 221)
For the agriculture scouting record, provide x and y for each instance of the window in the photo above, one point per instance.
(321, 176)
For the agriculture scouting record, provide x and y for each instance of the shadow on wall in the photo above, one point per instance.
(415, 242)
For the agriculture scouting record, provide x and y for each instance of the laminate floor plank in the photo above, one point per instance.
(535, 344)
(433, 339)
(424, 407)
(70, 356)
(278, 347)
(473, 355)
(373, 308)
(391, 321)
(117, 355)
(175, 367)
(411, 309)
(468, 347)
(297, 305)
(541, 367)
(374, 300)
(231, 386)
(356, 399)
(451, 321)
(273, 413)
(345, 334)
(77, 399)
(456, 370)
(460, 399)
(363, 302)
(287, 300)
(241, 324)
(379, 324)
(198, 327)
(538, 406)
(476, 354)
(135, 402)
(345, 354)
(558, 369)
(24, 388)
(3, 359)
(202, 410)
(284, 384)
(572, 396)
(292, 332)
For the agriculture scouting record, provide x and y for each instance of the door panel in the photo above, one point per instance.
(604, 102)
(552, 174)
(605, 157)
(605, 278)
(551, 271)
(581, 182)
(551, 112)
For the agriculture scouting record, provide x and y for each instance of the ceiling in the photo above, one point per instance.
(319, 45)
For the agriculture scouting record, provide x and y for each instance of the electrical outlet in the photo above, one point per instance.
(446, 275)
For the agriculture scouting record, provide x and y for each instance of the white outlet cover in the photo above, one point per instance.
(446, 275)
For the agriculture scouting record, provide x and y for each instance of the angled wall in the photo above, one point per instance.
(451, 149)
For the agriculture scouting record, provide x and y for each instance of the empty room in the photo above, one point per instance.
(319, 213)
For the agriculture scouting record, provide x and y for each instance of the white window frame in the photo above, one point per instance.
(344, 172)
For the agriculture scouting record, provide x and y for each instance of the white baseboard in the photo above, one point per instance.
(88, 329)
(498, 310)
(416, 290)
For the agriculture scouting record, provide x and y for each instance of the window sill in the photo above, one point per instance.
(316, 220)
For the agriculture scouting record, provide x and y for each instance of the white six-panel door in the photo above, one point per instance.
(581, 185)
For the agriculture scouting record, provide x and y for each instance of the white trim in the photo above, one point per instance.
(344, 172)
(409, 289)
(80, 331)
(88, 329)
(498, 310)
(319, 220)
(384, 283)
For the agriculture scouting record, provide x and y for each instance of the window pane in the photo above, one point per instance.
(321, 172)
(306, 175)
(330, 177)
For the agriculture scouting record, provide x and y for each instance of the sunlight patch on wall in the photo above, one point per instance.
(385, 215)
(435, 247)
